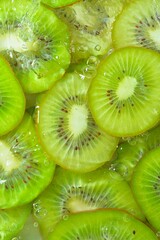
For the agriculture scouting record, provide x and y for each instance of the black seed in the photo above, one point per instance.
(134, 232)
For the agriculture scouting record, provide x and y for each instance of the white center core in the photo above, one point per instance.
(7, 160)
(11, 41)
(155, 36)
(77, 205)
(78, 119)
(126, 87)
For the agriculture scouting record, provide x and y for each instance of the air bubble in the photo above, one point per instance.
(83, 49)
(97, 47)
(35, 224)
(40, 213)
(92, 61)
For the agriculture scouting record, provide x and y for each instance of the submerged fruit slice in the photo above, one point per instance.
(90, 23)
(12, 221)
(130, 152)
(73, 192)
(35, 42)
(67, 129)
(25, 171)
(58, 3)
(124, 95)
(102, 224)
(138, 25)
(12, 100)
(146, 186)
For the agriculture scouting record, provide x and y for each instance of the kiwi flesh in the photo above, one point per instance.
(35, 42)
(130, 152)
(12, 221)
(26, 170)
(138, 25)
(124, 95)
(58, 3)
(146, 186)
(67, 130)
(102, 225)
(12, 100)
(72, 192)
(90, 23)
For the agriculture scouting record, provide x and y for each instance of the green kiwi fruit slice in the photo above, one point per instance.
(72, 192)
(25, 171)
(138, 25)
(12, 100)
(128, 155)
(58, 3)
(146, 186)
(102, 225)
(12, 221)
(132, 150)
(124, 95)
(90, 23)
(35, 42)
(67, 130)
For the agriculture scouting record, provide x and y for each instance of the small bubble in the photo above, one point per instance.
(97, 47)
(92, 61)
(82, 48)
(35, 224)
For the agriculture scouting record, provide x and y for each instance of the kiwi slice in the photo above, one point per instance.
(35, 42)
(12, 100)
(130, 152)
(124, 95)
(90, 23)
(102, 225)
(25, 171)
(58, 3)
(12, 221)
(67, 130)
(128, 155)
(72, 192)
(146, 186)
(138, 25)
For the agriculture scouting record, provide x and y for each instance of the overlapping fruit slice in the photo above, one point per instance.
(58, 3)
(35, 42)
(146, 186)
(12, 221)
(138, 25)
(102, 224)
(90, 23)
(12, 100)
(124, 95)
(67, 129)
(76, 192)
(25, 170)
